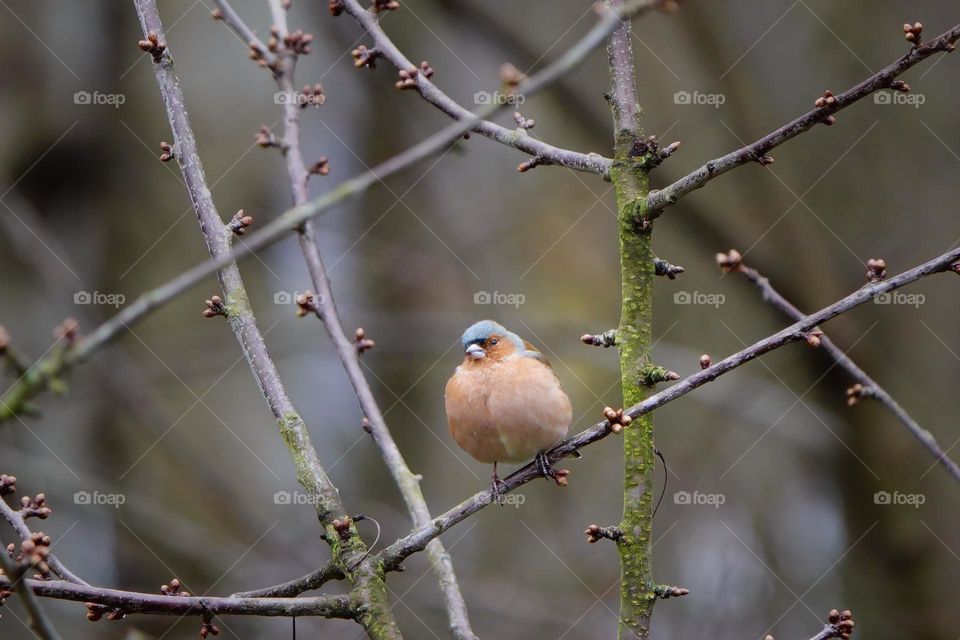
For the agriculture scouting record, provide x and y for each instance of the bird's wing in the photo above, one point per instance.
(533, 352)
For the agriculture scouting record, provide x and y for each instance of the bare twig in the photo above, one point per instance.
(295, 587)
(326, 310)
(548, 154)
(20, 527)
(870, 386)
(755, 152)
(345, 541)
(245, 33)
(394, 554)
(130, 602)
(14, 580)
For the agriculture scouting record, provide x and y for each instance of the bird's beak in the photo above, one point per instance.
(476, 352)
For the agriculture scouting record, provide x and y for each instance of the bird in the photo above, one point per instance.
(504, 403)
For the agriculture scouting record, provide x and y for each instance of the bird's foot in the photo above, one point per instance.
(498, 488)
(547, 471)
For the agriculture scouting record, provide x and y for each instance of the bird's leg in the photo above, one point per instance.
(495, 486)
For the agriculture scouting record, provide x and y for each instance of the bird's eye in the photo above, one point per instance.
(493, 341)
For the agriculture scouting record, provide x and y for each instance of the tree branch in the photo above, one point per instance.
(295, 587)
(339, 531)
(16, 520)
(870, 387)
(326, 310)
(755, 152)
(394, 554)
(630, 177)
(130, 602)
(516, 138)
(14, 580)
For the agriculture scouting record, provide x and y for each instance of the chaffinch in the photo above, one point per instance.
(504, 402)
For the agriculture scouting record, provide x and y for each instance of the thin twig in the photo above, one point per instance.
(20, 527)
(339, 530)
(326, 310)
(515, 138)
(295, 587)
(13, 579)
(394, 554)
(130, 602)
(239, 313)
(249, 37)
(873, 390)
(659, 200)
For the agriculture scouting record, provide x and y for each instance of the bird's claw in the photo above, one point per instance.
(548, 472)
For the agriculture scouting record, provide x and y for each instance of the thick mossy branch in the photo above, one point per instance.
(629, 174)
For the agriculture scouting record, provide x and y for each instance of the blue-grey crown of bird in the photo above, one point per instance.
(480, 331)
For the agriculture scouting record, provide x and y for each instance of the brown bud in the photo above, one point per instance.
(729, 261)
(166, 152)
(560, 477)
(876, 270)
(705, 361)
(510, 76)
(813, 337)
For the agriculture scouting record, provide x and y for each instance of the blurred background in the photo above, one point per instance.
(771, 515)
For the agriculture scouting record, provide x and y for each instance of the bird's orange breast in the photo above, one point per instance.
(508, 410)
